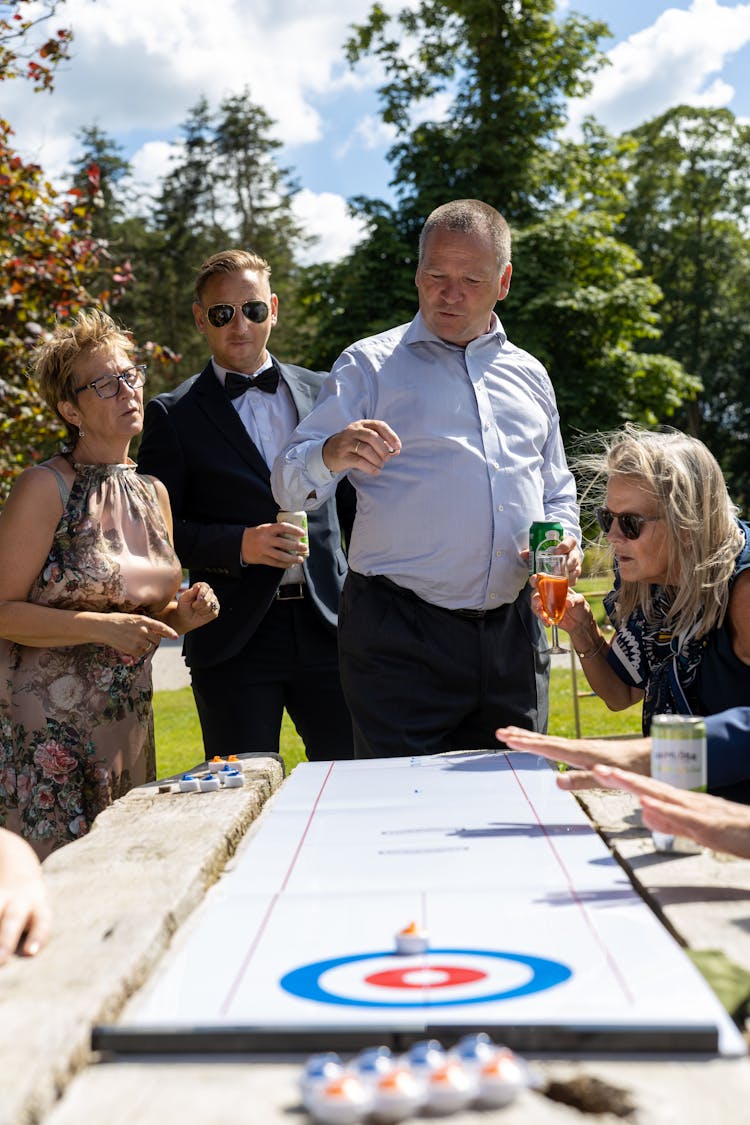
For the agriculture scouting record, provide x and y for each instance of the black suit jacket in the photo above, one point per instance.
(218, 484)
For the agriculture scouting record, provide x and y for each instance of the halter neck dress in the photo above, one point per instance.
(76, 726)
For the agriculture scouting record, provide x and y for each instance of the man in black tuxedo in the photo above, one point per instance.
(212, 442)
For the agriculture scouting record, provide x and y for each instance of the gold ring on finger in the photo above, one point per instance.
(356, 447)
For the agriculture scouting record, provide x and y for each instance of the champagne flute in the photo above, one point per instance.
(552, 587)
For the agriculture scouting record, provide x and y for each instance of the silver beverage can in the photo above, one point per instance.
(299, 519)
(678, 757)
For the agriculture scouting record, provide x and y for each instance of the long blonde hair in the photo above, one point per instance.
(703, 537)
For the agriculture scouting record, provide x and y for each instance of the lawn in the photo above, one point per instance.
(179, 746)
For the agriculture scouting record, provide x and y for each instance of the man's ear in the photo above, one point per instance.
(199, 318)
(504, 286)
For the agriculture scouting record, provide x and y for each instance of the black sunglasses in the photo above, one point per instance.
(221, 315)
(631, 524)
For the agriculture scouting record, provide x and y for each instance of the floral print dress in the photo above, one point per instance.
(76, 727)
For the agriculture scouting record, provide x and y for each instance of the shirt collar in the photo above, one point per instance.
(419, 333)
(221, 372)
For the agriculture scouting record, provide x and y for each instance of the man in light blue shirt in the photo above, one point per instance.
(450, 435)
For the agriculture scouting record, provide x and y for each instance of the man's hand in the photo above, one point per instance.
(273, 544)
(569, 547)
(365, 445)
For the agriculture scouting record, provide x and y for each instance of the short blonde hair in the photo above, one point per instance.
(54, 360)
(703, 536)
(230, 261)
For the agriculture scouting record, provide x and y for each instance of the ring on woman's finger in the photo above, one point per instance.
(356, 447)
(213, 605)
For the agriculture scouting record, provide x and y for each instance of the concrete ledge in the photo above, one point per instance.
(118, 896)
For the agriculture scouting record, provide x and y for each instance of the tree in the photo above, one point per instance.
(51, 263)
(685, 214)
(580, 303)
(510, 68)
(578, 298)
(225, 189)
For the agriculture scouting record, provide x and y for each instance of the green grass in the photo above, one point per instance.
(179, 745)
(178, 734)
(178, 737)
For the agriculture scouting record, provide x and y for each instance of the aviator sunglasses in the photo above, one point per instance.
(631, 524)
(222, 314)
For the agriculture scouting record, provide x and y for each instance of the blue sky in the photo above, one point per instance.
(139, 66)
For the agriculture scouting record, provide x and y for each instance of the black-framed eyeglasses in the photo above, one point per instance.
(107, 386)
(631, 524)
(222, 314)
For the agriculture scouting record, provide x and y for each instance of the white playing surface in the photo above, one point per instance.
(530, 919)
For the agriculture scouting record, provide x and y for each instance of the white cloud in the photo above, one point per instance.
(326, 217)
(142, 65)
(675, 61)
(370, 133)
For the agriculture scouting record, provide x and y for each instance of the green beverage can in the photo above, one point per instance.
(299, 519)
(678, 757)
(543, 536)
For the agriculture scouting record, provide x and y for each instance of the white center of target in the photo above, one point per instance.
(422, 978)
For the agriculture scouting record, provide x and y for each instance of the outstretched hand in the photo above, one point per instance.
(580, 753)
(712, 821)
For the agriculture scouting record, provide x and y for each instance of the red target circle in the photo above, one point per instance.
(400, 978)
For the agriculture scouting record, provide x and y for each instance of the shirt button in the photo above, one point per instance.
(493, 597)
(499, 507)
(486, 426)
(498, 554)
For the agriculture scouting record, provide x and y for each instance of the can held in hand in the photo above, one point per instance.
(678, 757)
(299, 519)
(543, 536)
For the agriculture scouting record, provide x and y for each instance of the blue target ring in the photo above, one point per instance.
(305, 981)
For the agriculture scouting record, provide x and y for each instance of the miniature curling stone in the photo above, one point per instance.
(372, 1063)
(189, 784)
(474, 1050)
(318, 1070)
(449, 1088)
(343, 1100)
(501, 1078)
(412, 939)
(231, 779)
(396, 1094)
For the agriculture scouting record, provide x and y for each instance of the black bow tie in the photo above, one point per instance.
(236, 384)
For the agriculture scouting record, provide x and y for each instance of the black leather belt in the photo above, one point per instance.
(405, 592)
(291, 592)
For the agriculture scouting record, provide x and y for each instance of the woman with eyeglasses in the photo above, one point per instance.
(88, 579)
(681, 598)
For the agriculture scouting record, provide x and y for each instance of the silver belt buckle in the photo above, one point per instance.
(291, 592)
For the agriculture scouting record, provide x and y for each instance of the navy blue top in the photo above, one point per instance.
(679, 675)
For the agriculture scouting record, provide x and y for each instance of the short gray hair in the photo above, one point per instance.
(470, 216)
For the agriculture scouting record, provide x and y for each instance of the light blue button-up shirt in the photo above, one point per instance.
(481, 459)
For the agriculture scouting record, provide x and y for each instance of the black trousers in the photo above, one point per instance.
(423, 680)
(290, 661)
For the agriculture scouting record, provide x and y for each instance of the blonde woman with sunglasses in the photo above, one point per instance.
(681, 599)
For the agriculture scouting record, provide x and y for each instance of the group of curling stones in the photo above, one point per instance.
(223, 773)
(378, 1086)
